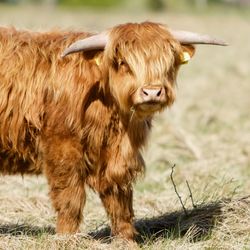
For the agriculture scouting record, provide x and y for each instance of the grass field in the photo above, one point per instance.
(206, 134)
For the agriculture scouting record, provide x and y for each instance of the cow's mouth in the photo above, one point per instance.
(148, 107)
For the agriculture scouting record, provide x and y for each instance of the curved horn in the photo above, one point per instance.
(186, 37)
(94, 42)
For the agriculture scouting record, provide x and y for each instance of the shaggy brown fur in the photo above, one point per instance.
(78, 122)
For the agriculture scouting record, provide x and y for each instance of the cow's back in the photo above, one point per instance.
(36, 87)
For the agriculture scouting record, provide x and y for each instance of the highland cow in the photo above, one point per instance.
(81, 116)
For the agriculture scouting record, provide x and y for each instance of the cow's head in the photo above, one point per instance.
(140, 62)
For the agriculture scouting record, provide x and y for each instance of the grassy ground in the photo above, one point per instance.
(206, 134)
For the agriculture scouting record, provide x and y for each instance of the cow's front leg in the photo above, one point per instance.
(66, 176)
(118, 203)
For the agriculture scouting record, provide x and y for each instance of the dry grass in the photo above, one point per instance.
(206, 134)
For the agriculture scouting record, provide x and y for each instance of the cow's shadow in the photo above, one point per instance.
(198, 221)
(25, 229)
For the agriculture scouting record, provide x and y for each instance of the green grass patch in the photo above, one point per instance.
(91, 3)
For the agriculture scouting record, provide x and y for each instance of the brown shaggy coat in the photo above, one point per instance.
(74, 120)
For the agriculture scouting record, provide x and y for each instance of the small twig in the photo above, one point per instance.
(132, 109)
(175, 189)
(191, 195)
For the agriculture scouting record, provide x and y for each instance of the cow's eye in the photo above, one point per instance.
(124, 66)
(121, 66)
(121, 63)
(117, 64)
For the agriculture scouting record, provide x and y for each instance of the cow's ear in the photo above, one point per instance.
(94, 55)
(187, 53)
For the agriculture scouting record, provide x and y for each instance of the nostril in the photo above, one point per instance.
(159, 93)
(152, 93)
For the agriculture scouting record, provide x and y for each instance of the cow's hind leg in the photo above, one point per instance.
(118, 203)
(66, 177)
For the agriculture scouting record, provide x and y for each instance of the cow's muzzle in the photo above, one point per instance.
(150, 99)
(152, 95)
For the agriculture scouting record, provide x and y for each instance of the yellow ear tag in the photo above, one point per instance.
(97, 61)
(185, 57)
